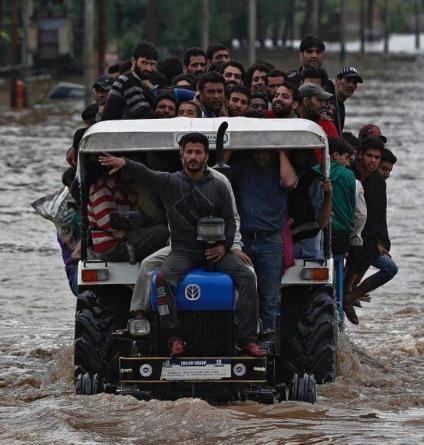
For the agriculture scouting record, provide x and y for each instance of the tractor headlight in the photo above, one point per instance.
(138, 327)
(210, 229)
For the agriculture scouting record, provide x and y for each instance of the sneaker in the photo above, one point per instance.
(253, 349)
(176, 346)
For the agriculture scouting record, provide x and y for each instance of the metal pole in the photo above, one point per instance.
(342, 30)
(315, 18)
(362, 25)
(14, 53)
(386, 26)
(205, 24)
(417, 23)
(252, 32)
(89, 63)
(27, 61)
(102, 37)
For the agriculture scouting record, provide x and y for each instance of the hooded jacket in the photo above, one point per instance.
(186, 201)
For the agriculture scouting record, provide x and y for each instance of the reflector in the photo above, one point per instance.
(92, 275)
(315, 273)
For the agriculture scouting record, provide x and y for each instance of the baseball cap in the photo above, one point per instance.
(371, 130)
(311, 89)
(105, 82)
(349, 71)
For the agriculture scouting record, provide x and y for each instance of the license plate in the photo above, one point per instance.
(176, 370)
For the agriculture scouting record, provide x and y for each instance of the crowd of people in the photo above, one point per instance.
(272, 194)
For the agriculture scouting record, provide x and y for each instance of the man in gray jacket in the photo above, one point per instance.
(189, 195)
(141, 297)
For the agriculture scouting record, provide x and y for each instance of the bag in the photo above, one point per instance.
(126, 220)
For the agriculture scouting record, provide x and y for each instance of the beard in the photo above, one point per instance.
(282, 111)
(193, 166)
(312, 115)
(141, 74)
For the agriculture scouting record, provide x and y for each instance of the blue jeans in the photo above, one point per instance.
(267, 257)
(388, 270)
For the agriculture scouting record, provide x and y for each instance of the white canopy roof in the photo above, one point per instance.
(164, 134)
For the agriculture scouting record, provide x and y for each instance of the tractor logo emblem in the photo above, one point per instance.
(192, 292)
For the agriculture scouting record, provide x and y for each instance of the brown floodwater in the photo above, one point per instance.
(378, 397)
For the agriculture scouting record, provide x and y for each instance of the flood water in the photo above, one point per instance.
(378, 397)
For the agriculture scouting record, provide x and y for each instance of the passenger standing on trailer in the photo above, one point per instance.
(238, 101)
(388, 160)
(131, 96)
(107, 195)
(375, 251)
(166, 106)
(211, 95)
(309, 206)
(216, 54)
(189, 195)
(195, 62)
(344, 195)
(311, 53)
(233, 73)
(274, 79)
(285, 99)
(347, 80)
(101, 88)
(256, 78)
(261, 181)
(318, 76)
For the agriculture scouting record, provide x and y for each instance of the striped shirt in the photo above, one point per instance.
(128, 99)
(105, 196)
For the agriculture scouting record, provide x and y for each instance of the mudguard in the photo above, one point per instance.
(201, 291)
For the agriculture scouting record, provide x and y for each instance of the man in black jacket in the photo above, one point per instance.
(131, 96)
(189, 195)
(375, 251)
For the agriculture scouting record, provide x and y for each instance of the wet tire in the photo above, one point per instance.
(96, 350)
(303, 389)
(320, 324)
(309, 328)
(88, 384)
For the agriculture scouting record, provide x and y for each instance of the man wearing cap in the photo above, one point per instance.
(346, 81)
(371, 130)
(101, 88)
(312, 99)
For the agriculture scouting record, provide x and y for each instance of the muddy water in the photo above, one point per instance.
(378, 397)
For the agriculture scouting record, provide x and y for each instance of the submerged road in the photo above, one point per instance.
(378, 397)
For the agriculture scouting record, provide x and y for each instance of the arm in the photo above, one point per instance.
(360, 216)
(141, 173)
(325, 215)
(287, 174)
